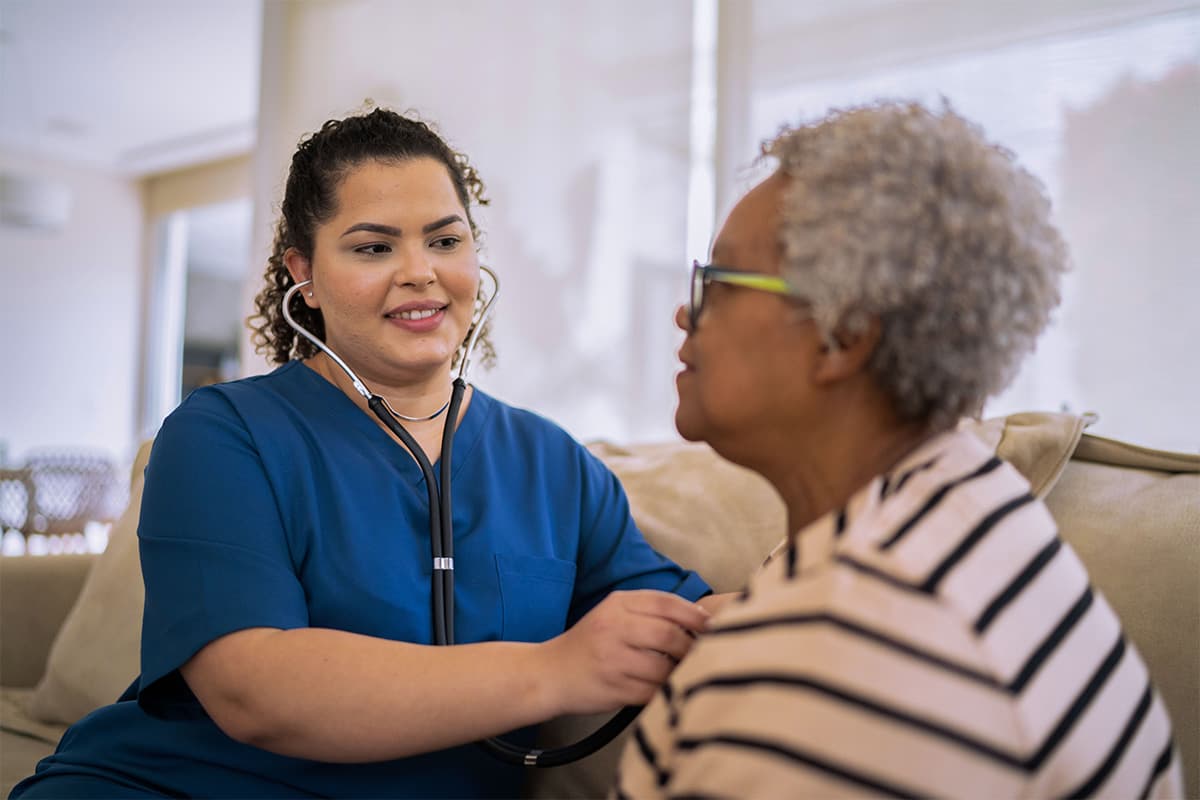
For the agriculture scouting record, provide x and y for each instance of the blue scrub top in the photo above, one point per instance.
(275, 501)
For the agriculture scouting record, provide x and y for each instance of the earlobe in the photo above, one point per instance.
(300, 268)
(847, 352)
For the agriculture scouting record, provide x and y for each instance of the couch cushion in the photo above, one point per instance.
(1138, 533)
(23, 740)
(740, 516)
(36, 595)
(95, 655)
(1038, 444)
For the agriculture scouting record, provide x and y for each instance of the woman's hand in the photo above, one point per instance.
(715, 602)
(622, 650)
(343, 697)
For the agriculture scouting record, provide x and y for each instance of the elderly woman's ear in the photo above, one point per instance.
(849, 352)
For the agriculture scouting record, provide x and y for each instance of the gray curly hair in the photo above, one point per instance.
(912, 216)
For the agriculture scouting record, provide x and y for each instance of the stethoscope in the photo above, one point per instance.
(441, 528)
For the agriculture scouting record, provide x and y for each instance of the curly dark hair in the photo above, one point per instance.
(321, 162)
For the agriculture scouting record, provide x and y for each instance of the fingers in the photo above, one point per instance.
(629, 667)
(625, 647)
(665, 605)
(660, 636)
(637, 691)
(634, 691)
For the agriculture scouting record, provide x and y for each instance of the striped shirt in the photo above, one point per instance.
(933, 638)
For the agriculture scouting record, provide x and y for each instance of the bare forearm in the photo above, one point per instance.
(337, 696)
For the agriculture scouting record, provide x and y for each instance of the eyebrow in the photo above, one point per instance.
(391, 230)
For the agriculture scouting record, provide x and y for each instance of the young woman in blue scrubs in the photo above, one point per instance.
(286, 646)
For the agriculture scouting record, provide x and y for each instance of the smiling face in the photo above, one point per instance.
(394, 271)
(745, 364)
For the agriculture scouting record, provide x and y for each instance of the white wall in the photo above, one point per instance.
(70, 305)
(576, 115)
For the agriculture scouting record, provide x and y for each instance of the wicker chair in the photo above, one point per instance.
(16, 495)
(68, 490)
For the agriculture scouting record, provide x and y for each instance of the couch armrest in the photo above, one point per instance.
(36, 594)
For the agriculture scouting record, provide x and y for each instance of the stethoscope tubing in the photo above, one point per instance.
(441, 534)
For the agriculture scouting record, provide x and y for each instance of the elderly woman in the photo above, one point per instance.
(922, 631)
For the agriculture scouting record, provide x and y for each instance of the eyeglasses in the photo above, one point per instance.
(704, 274)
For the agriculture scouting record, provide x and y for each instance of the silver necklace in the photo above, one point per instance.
(407, 418)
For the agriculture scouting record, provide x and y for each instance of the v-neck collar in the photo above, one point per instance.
(466, 436)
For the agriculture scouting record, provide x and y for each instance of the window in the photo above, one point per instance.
(1106, 112)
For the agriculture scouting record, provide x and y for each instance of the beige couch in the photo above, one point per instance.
(69, 625)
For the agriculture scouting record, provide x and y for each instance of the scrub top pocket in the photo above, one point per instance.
(535, 596)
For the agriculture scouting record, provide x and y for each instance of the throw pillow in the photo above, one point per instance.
(96, 653)
(698, 509)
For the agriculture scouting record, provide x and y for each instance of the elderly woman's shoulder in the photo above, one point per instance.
(953, 514)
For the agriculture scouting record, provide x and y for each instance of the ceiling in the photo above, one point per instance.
(144, 86)
(130, 86)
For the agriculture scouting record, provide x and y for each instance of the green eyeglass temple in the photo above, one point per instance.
(704, 274)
